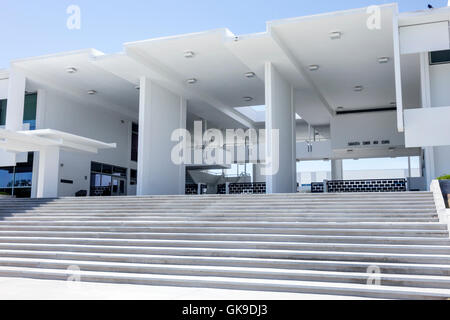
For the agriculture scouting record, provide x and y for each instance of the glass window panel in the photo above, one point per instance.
(3, 112)
(106, 181)
(96, 167)
(96, 180)
(6, 177)
(106, 168)
(23, 179)
(29, 111)
(437, 57)
(22, 192)
(115, 186)
(118, 171)
(134, 146)
(7, 191)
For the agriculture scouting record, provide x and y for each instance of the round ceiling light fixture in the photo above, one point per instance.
(383, 60)
(189, 54)
(71, 70)
(250, 75)
(314, 67)
(92, 92)
(358, 88)
(191, 81)
(335, 35)
(248, 99)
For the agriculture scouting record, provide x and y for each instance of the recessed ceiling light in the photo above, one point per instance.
(383, 60)
(92, 92)
(250, 75)
(358, 88)
(71, 70)
(335, 35)
(248, 99)
(189, 54)
(314, 67)
(191, 81)
(340, 108)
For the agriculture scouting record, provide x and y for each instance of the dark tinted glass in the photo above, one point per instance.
(440, 57)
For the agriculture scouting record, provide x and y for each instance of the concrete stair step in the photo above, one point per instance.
(228, 224)
(255, 205)
(288, 264)
(141, 245)
(333, 288)
(225, 209)
(289, 243)
(245, 253)
(234, 230)
(423, 281)
(200, 214)
(54, 217)
(268, 197)
(233, 237)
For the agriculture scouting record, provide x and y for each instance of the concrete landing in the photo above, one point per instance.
(30, 289)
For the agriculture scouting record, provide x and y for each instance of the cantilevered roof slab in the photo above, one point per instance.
(37, 140)
(200, 103)
(51, 71)
(348, 61)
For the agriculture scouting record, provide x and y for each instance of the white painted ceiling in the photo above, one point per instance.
(111, 91)
(221, 60)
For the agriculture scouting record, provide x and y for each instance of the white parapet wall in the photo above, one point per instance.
(443, 212)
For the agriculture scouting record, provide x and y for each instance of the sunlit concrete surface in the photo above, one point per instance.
(30, 289)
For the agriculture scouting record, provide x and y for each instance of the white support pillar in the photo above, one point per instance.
(161, 112)
(40, 124)
(426, 103)
(280, 115)
(257, 176)
(16, 100)
(48, 175)
(14, 113)
(337, 170)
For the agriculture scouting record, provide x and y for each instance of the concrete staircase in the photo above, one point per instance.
(318, 244)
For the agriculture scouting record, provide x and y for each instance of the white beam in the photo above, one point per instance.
(280, 117)
(171, 81)
(301, 69)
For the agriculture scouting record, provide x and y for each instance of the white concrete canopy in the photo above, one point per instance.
(49, 143)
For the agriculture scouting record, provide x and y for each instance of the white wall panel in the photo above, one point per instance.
(424, 37)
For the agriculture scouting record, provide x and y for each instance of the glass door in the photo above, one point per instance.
(118, 187)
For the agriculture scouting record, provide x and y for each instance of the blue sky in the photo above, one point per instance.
(31, 28)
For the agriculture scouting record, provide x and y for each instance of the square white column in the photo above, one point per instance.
(16, 100)
(337, 169)
(48, 175)
(280, 116)
(161, 112)
(14, 114)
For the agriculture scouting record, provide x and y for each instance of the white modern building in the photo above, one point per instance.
(363, 83)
